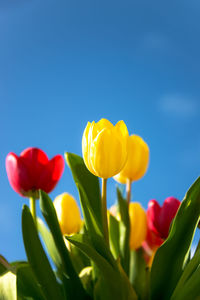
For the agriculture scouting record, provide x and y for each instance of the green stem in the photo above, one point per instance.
(33, 208)
(128, 191)
(104, 211)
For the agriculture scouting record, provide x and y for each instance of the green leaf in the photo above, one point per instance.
(8, 289)
(124, 228)
(37, 258)
(27, 285)
(49, 243)
(114, 236)
(91, 223)
(171, 257)
(139, 274)
(191, 288)
(79, 260)
(113, 282)
(90, 192)
(50, 216)
(188, 272)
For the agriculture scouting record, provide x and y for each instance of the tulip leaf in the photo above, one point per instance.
(188, 273)
(139, 274)
(8, 289)
(124, 228)
(191, 288)
(90, 184)
(79, 260)
(171, 257)
(27, 285)
(50, 216)
(49, 243)
(89, 217)
(113, 283)
(38, 259)
(114, 235)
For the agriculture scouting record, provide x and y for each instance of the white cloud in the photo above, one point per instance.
(179, 106)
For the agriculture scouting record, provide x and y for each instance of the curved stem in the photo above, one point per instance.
(128, 191)
(33, 209)
(104, 211)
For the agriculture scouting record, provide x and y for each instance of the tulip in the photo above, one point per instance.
(137, 161)
(68, 213)
(104, 147)
(159, 218)
(32, 170)
(136, 164)
(138, 225)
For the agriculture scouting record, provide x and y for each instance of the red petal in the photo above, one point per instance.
(35, 160)
(168, 212)
(18, 174)
(153, 213)
(51, 174)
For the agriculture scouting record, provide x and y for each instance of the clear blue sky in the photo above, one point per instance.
(63, 63)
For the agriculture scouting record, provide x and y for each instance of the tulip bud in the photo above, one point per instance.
(32, 170)
(159, 218)
(137, 161)
(138, 225)
(68, 213)
(104, 147)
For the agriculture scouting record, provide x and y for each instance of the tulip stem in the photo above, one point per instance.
(33, 208)
(104, 211)
(128, 191)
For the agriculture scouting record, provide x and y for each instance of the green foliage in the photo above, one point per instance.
(83, 266)
(171, 257)
(38, 259)
(89, 191)
(124, 232)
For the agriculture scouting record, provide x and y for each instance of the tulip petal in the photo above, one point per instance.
(35, 160)
(86, 145)
(168, 212)
(99, 126)
(153, 213)
(121, 128)
(51, 174)
(18, 174)
(107, 154)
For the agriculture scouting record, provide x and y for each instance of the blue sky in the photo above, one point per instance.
(64, 63)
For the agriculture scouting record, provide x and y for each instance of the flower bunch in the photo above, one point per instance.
(122, 253)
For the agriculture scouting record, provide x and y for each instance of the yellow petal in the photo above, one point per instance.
(137, 160)
(107, 154)
(99, 126)
(68, 213)
(104, 147)
(86, 144)
(122, 129)
(138, 225)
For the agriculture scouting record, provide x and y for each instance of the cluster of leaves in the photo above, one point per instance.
(83, 266)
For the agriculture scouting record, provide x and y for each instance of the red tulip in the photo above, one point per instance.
(159, 218)
(32, 170)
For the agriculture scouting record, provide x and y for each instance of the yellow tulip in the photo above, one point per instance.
(104, 147)
(68, 213)
(138, 225)
(137, 161)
